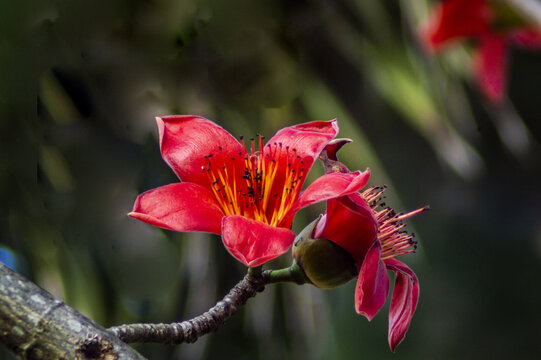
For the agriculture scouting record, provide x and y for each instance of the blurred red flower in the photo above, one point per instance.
(250, 198)
(494, 25)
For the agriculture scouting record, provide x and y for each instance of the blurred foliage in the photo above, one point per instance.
(81, 82)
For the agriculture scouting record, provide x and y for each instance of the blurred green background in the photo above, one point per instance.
(81, 83)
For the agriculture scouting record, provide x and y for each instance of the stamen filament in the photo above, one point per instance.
(267, 187)
(393, 240)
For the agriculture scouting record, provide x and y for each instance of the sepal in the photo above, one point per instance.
(330, 160)
(325, 263)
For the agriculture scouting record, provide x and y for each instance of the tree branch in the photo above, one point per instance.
(190, 330)
(35, 325)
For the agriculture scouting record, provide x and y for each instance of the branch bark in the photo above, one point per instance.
(35, 325)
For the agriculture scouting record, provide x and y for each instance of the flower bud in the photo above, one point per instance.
(325, 263)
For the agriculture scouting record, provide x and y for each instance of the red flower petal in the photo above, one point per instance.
(350, 223)
(253, 242)
(490, 65)
(528, 38)
(454, 19)
(330, 186)
(335, 145)
(372, 285)
(403, 302)
(308, 140)
(185, 140)
(172, 207)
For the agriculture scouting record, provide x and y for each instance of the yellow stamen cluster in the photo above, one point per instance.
(261, 185)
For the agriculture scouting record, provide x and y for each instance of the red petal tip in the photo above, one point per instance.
(253, 242)
(372, 285)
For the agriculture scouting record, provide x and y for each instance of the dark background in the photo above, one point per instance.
(81, 83)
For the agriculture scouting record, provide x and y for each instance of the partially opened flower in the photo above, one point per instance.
(367, 237)
(494, 25)
(249, 197)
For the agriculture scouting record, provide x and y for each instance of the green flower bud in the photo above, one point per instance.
(325, 263)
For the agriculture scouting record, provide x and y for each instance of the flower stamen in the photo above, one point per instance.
(393, 240)
(270, 182)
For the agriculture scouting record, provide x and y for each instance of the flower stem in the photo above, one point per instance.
(291, 274)
(255, 271)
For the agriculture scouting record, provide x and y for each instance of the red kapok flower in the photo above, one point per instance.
(494, 24)
(250, 198)
(373, 235)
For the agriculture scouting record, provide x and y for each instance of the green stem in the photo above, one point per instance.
(292, 274)
(255, 271)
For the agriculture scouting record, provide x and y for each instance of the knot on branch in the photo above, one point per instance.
(96, 348)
